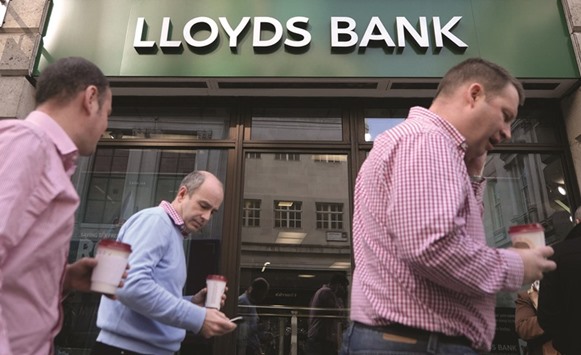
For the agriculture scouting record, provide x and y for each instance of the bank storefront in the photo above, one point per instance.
(282, 100)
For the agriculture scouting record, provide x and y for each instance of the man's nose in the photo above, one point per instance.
(505, 133)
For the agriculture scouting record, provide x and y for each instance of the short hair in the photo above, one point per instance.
(194, 180)
(64, 79)
(339, 279)
(578, 213)
(493, 78)
(260, 284)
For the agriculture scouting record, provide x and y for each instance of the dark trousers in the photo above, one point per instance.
(104, 349)
(320, 347)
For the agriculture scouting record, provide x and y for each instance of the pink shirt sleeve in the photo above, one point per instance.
(20, 168)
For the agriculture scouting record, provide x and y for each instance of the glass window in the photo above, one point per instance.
(287, 214)
(535, 126)
(525, 188)
(329, 158)
(329, 215)
(311, 245)
(252, 155)
(380, 120)
(155, 123)
(297, 124)
(251, 213)
(287, 157)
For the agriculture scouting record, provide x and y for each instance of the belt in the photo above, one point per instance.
(402, 333)
(106, 349)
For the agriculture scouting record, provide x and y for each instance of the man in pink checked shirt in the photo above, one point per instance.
(425, 280)
(38, 201)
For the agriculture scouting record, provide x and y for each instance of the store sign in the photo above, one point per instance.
(308, 39)
(336, 236)
(343, 34)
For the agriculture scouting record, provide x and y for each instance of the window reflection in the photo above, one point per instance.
(378, 121)
(535, 126)
(376, 126)
(525, 188)
(198, 124)
(251, 213)
(297, 124)
(308, 195)
(295, 234)
(115, 183)
(531, 126)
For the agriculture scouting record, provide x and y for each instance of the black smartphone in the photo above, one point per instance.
(237, 320)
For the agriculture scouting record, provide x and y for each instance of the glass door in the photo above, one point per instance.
(296, 236)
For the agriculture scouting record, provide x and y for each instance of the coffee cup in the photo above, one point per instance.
(215, 284)
(112, 261)
(527, 236)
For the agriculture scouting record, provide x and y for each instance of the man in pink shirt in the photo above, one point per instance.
(425, 280)
(38, 201)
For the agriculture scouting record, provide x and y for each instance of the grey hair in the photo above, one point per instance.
(194, 180)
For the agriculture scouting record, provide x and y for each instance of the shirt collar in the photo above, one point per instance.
(454, 134)
(174, 216)
(63, 143)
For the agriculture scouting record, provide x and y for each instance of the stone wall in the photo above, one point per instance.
(20, 37)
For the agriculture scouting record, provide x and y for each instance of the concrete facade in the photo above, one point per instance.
(20, 37)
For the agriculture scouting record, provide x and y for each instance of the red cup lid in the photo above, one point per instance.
(526, 228)
(217, 277)
(113, 244)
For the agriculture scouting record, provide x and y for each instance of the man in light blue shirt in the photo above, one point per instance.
(151, 316)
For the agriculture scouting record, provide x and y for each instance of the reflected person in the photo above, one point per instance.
(325, 325)
(249, 331)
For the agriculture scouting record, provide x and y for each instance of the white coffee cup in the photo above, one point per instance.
(112, 261)
(527, 236)
(216, 284)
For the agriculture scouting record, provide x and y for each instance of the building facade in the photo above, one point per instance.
(282, 101)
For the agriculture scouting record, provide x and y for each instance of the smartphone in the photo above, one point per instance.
(237, 320)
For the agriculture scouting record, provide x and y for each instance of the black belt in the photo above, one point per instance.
(105, 349)
(416, 334)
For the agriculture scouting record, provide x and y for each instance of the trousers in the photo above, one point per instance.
(360, 339)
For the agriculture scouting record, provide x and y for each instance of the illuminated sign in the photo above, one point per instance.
(308, 39)
(268, 32)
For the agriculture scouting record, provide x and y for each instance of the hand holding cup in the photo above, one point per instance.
(216, 287)
(199, 298)
(527, 236)
(112, 257)
(528, 240)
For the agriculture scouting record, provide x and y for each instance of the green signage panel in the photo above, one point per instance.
(305, 38)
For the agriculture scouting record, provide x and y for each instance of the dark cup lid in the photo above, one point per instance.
(113, 244)
(526, 228)
(217, 277)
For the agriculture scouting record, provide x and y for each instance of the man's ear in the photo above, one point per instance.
(475, 93)
(91, 98)
(182, 192)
